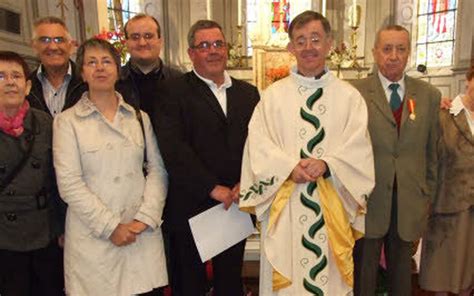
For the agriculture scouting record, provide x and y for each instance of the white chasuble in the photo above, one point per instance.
(308, 230)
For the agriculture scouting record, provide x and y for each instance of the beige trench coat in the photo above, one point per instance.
(99, 170)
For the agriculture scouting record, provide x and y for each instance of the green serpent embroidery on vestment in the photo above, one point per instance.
(257, 188)
(306, 195)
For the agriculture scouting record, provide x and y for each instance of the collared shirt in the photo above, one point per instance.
(155, 69)
(219, 91)
(457, 106)
(54, 98)
(388, 92)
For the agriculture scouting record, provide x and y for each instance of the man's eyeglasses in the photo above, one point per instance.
(206, 45)
(315, 42)
(138, 36)
(48, 40)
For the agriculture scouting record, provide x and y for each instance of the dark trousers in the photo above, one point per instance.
(33, 273)
(188, 273)
(154, 292)
(397, 255)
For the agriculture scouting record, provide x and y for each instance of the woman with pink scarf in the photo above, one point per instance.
(28, 255)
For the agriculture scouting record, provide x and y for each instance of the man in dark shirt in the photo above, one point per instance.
(142, 75)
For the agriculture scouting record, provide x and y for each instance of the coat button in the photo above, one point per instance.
(109, 146)
(36, 164)
(11, 217)
(3, 168)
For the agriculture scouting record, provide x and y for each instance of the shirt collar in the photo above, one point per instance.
(86, 107)
(41, 74)
(227, 81)
(311, 82)
(386, 83)
(156, 68)
(457, 106)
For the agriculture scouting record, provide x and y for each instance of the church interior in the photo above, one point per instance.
(442, 41)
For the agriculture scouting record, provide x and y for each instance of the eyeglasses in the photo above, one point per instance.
(48, 40)
(138, 36)
(95, 63)
(315, 41)
(206, 45)
(16, 76)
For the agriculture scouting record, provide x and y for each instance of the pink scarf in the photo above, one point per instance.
(13, 126)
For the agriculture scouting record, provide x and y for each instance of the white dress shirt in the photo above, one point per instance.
(457, 106)
(388, 92)
(219, 91)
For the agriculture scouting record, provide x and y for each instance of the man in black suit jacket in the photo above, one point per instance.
(201, 125)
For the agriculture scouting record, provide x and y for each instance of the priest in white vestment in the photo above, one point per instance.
(307, 171)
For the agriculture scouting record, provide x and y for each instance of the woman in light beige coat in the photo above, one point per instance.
(113, 243)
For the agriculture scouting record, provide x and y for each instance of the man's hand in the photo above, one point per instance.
(61, 241)
(122, 236)
(315, 168)
(445, 103)
(137, 227)
(235, 193)
(222, 194)
(299, 174)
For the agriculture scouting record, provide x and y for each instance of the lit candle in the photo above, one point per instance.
(323, 8)
(354, 13)
(208, 9)
(239, 13)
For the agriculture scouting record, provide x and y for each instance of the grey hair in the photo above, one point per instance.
(391, 28)
(49, 20)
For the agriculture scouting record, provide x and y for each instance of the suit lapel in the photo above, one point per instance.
(208, 96)
(377, 96)
(460, 121)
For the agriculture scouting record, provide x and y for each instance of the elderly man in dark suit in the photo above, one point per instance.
(201, 125)
(403, 124)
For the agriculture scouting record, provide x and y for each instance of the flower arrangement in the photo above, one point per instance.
(340, 55)
(277, 73)
(117, 39)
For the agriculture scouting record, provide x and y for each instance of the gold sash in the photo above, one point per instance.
(341, 235)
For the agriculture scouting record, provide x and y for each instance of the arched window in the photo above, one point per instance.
(436, 32)
(120, 11)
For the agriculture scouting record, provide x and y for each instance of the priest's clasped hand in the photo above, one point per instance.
(308, 170)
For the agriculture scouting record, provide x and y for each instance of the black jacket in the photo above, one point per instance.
(26, 206)
(74, 91)
(129, 87)
(200, 145)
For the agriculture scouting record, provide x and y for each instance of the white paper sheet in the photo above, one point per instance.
(216, 229)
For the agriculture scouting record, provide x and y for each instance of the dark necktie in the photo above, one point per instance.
(395, 100)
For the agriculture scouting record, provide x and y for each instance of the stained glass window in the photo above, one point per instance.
(436, 32)
(252, 17)
(120, 11)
